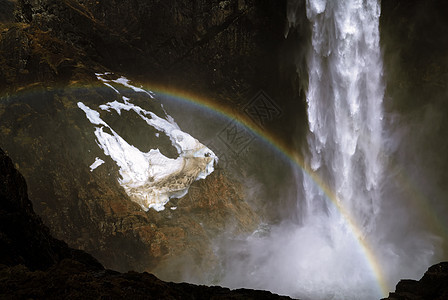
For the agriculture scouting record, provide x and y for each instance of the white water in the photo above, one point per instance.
(323, 258)
(363, 252)
(345, 116)
(345, 103)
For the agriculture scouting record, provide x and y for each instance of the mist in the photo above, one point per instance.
(314, 253)
(393, 187)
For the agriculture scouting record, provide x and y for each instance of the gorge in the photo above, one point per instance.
(291, 146)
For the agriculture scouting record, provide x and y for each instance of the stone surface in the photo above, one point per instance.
(415, 44)
(53, 144)
(7, 11)
(227, 49)
(23, 237)
(433, 285)
(35, 265)
(222, 50)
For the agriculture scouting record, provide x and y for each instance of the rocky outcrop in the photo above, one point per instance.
(223, 50)
(415, 44)
(7, 11)
(433, 285)
(204, 41)
(71, 280)
(48, 62)
(35, 265)
(23, 237)
(53, 144)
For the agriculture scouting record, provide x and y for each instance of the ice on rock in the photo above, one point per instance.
(150, 179)
(98, 162)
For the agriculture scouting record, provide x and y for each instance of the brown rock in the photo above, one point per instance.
(35, 265)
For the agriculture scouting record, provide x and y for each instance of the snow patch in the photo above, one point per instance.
(151, 179)
(123, 81)
(98, 162)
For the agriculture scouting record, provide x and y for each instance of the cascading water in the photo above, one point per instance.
(327, 256)
(345, 115)
(345, 104)
(354, 239)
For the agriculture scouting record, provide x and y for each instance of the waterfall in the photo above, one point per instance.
(356, 238)
(345, 116)
(326, 255)
(345, 104)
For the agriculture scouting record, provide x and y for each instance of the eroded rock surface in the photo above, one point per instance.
(49, 58)
(35, 265)
(54, 145)
(433, 285)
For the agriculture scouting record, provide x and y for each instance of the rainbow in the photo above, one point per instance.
(275, 143)
(293, 156)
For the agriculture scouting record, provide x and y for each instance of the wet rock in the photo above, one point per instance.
(225, 50)
(23, 237)
(35, 265)
(433, 285)
(53, 144)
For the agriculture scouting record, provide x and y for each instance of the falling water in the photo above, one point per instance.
(355, 239)
(345, 115)
(345, 104)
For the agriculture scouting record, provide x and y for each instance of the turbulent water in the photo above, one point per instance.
(355, 238)
(345, 118)
(345, 103)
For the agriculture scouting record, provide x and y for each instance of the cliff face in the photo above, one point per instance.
(35, 265)
(433, 285)
(49, 59)
(226, 51)
(223, 50)
(53, 144)
(415, 44)
(193, 44)
(7, 11)
(24, 239)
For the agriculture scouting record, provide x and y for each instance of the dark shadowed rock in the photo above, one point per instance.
(35, 265)
(23, 237)
(48, 62)
(433, 285)
(7, 11)
(415, 51)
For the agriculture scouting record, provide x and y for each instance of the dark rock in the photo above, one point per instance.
(35, 265)
(415, 57)
(23, 237)
(226, 49)
(223, 50)
(7, 11)
(433, 285)
(415, 51)
(53, 144)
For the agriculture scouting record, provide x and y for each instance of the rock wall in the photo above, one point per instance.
(53, 144)
(433, 285)
(415, 50)
(24, 239)
(223, 50)
(35, 265)
(227, 50)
